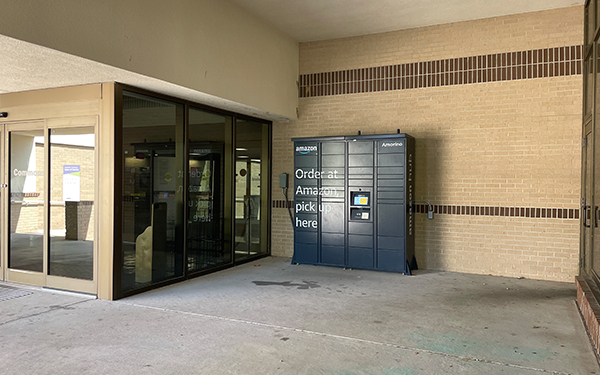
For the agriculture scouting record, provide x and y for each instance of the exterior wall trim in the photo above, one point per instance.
(506, 66)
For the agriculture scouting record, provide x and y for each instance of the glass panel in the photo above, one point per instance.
(209, 222)
(594, 185)
(72, 171)
(586, 213)
(251, 181)
(26, 211)
(589, 84)
(153, 174)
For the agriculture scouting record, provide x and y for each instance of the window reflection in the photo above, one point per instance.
(72, 158)
(251, 152)
(208, 219)
(152, 245)
(26, 200)
(180, 219)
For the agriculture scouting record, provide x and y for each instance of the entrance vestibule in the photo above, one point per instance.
(112, 190)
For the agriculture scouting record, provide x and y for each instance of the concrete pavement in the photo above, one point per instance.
(270, 317)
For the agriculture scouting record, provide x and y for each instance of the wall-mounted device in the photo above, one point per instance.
(283, 180)
(429, 208)
(3, 114)
(360, 199)
(360, 205)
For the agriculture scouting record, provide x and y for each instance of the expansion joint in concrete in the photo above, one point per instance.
(349, 338)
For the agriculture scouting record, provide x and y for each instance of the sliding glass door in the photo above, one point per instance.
(48, 211)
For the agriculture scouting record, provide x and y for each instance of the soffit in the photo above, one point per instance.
(26, 66)
(315, 20)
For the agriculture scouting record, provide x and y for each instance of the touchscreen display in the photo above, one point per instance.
(361, 200)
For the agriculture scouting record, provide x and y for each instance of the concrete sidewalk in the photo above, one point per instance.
(270, 317)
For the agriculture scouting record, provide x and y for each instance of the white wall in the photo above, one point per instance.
(212, 46)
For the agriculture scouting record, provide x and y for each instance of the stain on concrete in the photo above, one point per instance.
(383, 371)
(61, 307)
(454, 344)
(305, 285)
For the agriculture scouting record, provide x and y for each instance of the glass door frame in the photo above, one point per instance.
(3, 194)
(13, 274)
(43, 279)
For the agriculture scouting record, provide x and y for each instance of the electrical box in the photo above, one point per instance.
(353, 202)
(283, 180)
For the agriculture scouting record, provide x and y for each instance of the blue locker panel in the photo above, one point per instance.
(339, 183)
(360, 241)
(391, 195)
(306, 237)
(358, 147)
(333, 239)
(360, 160)
(390, 160)
(390, 183)
(305, 182)
(391, 243)
(305, 161)
(333, 177)
(390, 219)
(360, 183)
(361, 171)
(360, 228)
(361, 258)
(397, 170)
(391, 260)
(304, 253)
(333, 255)
(332, 221)
(333, 148)
(329, 161)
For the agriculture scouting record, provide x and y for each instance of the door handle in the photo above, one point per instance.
(586, 214)
(597, 217)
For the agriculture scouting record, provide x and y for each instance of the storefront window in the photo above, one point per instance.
(194, 188)
(153, 190)
(209, 190)
(251, 194)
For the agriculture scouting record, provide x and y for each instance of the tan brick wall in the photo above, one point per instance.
(510, 144)
(554, 28)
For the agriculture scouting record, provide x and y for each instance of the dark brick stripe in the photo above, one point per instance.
(540, 63)
(528, 212)
(281, 204)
